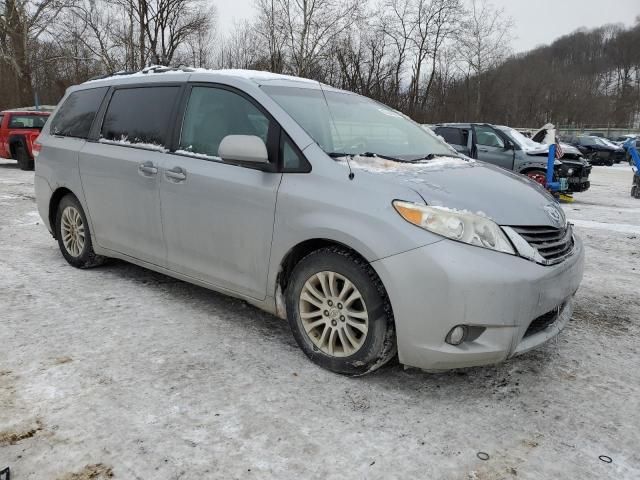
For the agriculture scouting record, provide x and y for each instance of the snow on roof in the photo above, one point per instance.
(255, 75)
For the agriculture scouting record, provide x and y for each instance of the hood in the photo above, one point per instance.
(545, 135)
(466, 184)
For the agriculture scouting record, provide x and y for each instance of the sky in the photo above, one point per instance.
(536, 22)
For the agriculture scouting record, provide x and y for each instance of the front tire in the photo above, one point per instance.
(74, 237)
(25, 162)
(339, 312)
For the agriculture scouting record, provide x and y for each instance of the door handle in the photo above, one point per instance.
(483, 149)
(147, 168)
(176, 173)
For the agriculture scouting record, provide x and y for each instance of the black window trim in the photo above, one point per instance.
(273, 135)
(304, 168)
(95, 117)
(96, 128)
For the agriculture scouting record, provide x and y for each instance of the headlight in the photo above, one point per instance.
(457, 225)
(570, 171)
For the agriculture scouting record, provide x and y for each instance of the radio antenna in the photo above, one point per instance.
(351, 174)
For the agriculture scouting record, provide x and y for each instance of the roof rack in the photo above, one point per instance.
(146, 70)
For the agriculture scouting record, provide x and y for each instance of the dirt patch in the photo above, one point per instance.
(95, 471)
(610, 315)
(11, 437)
(62, 360)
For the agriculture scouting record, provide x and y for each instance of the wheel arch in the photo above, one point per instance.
(301, 250)
(57, 196)
(531, 167)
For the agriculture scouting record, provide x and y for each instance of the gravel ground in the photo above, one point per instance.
(119, 371)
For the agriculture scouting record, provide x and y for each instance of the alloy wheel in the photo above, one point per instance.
(72, 231)
(333, 314)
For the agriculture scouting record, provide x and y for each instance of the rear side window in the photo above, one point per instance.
(139, 115)
(214, 113)
(453, 136)
(27, 121)
(75, 116)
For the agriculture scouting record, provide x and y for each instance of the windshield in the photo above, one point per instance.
(27, 121)
(524, 142)
(350, 124)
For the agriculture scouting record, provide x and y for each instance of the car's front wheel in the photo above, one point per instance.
(74, 237)
(539, 176)
(339, 312)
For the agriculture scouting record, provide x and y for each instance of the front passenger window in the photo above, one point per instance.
(487, 137)
(214, 113)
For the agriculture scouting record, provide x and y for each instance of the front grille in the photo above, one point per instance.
(552, 244)
(542, 322)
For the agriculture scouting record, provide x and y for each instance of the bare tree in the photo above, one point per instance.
(310, 27)
(22, 22)
(484, 42)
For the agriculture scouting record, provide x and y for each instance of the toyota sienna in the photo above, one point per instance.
(369, 234)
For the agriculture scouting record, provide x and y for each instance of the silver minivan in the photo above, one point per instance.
(369, 234)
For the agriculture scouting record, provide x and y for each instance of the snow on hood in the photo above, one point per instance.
(377, 164)
(466, 185)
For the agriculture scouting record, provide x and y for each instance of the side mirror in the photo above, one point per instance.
(244, 149)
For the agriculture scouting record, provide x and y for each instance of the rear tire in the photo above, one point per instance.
(339, 312)
(74, 237)
(22, 156)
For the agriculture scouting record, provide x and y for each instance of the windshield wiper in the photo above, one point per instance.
(430, 156)
(368, 155)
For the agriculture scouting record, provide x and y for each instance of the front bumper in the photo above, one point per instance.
(436, 287)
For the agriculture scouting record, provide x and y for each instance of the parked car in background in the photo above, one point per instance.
(596, 150)
(623, 138)
(18, 132)
(510, 149)
(574, 166)
(365, 230)
(619, 151)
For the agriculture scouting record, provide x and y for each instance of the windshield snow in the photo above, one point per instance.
(350, 124)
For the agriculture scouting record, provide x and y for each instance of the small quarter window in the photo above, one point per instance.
(75, 116)
(292, 158)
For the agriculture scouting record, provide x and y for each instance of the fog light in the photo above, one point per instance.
(456, 335)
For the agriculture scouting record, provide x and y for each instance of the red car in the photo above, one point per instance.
(19, 129)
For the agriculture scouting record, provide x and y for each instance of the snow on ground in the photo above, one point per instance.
(121, 370)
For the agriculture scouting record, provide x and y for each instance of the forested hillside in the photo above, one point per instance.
(585, 78)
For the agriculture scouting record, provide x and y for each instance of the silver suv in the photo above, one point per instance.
(369, 234)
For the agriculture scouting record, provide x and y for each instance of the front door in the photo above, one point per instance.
(218, 217)
(490, 147)
(120, 172)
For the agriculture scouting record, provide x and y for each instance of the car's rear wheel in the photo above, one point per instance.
(22, 156)
(539, 176)
(339, 312)
(74, 237)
